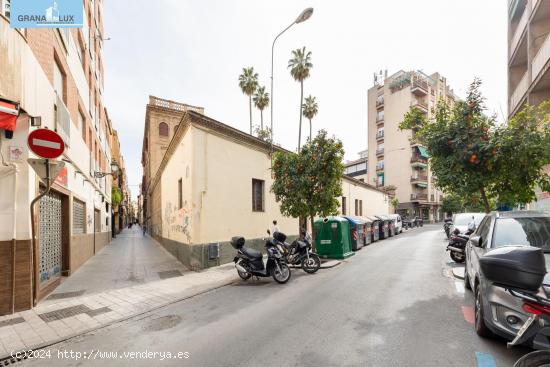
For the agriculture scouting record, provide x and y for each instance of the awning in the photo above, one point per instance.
(8, 115)
(423, 152)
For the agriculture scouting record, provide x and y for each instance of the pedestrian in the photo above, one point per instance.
(275, 228)
(143, 229)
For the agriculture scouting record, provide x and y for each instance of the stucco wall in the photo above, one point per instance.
(374, 201)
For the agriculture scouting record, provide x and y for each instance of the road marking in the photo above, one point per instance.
(46, 143)
(459, 287)
(468, 313)
(485, 360)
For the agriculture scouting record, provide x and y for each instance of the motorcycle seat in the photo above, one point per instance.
(254, 254)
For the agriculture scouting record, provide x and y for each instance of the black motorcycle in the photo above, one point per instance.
(249, 262)
(447, 226)
(299, 252)
(457, 243)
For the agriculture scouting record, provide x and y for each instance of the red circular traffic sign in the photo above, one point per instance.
(46, 143)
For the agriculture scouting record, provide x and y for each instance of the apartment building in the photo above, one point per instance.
(54, 79)
(529, 62)
(395, 162)
(358, 167)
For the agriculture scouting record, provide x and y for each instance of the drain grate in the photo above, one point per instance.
(15, 320)
(169, 274)
(63, 313)
(66, 295)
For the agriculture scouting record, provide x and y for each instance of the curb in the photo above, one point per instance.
(458, 272)
(330, 264)
(9, 357)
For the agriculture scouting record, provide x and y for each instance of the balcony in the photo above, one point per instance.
(419, 197)
(379, 168)
(380, 135)
(421, 105)
(419, 162)
(166, 103)
(519, 92)
(419, 179)
(380, 102)
(541, 58)
(379, 152)
(519, 32)
(419, 87)
(379, 119)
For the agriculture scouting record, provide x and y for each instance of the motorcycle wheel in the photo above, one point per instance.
(244, 276)
(539, 358)
(457, 257)
(312, 265)
(283, 275)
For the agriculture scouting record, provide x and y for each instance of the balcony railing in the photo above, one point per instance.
(379, 135)
(155, 101)
(419, 178)
(379, 168)
(379, 151)
(422, 106)
(541, 58)
(519, 31)
(418, 160)
(519, 92)
(419, 86)
(380, 102)
(418, 197)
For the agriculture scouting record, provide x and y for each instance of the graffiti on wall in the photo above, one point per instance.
(178, 220)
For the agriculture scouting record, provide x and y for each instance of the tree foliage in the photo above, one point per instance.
(248, 82)
(300, 66)
(116, 197)
(261, 101)
(473, 155)
(308, 184)
(309, 110)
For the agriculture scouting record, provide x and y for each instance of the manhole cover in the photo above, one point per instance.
(161, 323)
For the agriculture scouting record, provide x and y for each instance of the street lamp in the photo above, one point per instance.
(114, 170)
(304, 15)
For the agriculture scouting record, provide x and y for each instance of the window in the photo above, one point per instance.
(356, 207)
(180, 193)
(79, 217)
(343, 205)
(257, 195)
(533, 231)
(5, 8)
(91, 145)
(361, 208)
(81, 124)
(59, 81)
(163, 129)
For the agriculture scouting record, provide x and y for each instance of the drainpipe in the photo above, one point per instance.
(15, 171)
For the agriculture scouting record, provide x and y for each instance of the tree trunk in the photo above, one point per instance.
(485, 200)
(262, 119)
(250, 109)
(309, 129)
(313, 247)
(301, 101)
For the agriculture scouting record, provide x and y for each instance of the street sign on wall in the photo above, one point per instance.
(46, 143)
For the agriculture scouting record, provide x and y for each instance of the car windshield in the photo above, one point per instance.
(523, 231)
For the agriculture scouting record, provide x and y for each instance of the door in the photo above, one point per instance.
(50, 238)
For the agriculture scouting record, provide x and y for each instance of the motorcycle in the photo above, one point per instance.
(457, 243)
(299, 252)
(447, 226)
(249, 262)
(520, 272)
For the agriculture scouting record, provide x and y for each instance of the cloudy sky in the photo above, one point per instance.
(194, 51)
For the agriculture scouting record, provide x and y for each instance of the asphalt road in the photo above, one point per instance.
(395, 303)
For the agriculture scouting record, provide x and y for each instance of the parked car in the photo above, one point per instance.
(461, 220)
(418, 221)
(398, 223)
(495, 310)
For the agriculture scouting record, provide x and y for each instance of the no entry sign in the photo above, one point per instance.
(46, 143)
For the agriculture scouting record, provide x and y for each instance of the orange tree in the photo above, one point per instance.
(471, 155)
(308, 184)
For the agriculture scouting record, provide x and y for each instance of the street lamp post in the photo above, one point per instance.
(304, 15)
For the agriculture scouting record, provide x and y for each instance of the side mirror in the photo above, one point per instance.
(456, 231)
(476, 241)
(268, 231)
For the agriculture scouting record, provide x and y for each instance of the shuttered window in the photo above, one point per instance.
(257, 195)
(79, 217)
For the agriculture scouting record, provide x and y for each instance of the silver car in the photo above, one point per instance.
(496, 311)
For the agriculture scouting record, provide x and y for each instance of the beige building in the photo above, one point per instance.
(358, 167)
(529, 62)
(394, 161)
(209, 182)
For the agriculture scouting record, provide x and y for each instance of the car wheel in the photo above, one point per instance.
(480, 326)
(466, 277)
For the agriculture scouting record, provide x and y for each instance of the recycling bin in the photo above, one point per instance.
(332, 238)
(384, 227)
(367, 238)
(357, 232)
(375, 228)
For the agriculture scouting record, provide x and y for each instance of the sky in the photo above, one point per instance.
(194, 51)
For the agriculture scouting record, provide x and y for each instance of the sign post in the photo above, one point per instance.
(46, 144)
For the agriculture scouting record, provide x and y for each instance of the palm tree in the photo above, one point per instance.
(261, 101)
(299, 66)
(310, 109)
(248, 81)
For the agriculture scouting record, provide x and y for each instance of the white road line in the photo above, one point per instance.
(46, 143)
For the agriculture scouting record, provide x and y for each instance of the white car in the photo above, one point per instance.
(461, 221)
(398, 222)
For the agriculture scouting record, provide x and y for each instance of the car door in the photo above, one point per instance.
(474, 253)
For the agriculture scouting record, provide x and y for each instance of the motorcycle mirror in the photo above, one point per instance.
(456, 231)
(268, 231)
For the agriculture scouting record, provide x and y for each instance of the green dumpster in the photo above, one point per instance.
(332, 238)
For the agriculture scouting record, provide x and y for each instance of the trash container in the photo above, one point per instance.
(332, 238)
(375, 228)
(384, 227)
(392, 231)
(357, 232)
(367, 238)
